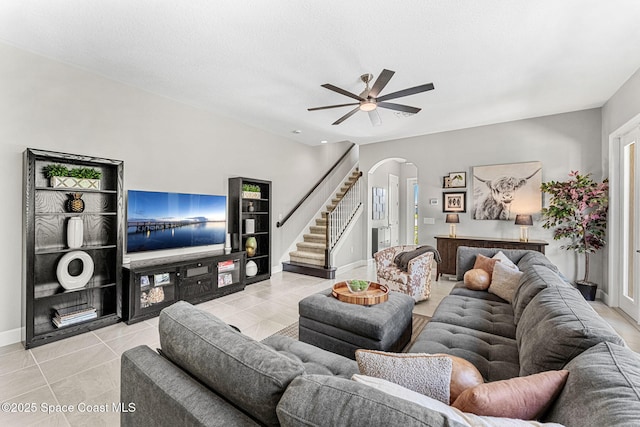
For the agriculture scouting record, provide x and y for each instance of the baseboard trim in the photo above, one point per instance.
(10, 337)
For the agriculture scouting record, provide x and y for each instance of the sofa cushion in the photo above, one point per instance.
(603, 389)
(477, 279)
(505, 260)
(423, 373)
(485, 263)
(341, 402)
(556, 326)
(315, 360)
(504, 281)
(495, 357)
(466, 257)
(461, 289)
(250, 374)
(535, 258)
(481, 315)
(534, 279)
(526, 398)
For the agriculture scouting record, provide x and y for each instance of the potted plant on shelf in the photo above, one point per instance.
(250, 191)
(80, 177)
(578, 208)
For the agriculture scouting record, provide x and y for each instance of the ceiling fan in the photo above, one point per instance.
(369, 101)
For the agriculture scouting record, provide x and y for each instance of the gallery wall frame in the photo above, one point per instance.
(454, 202)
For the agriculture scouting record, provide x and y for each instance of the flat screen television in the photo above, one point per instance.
(160, 220)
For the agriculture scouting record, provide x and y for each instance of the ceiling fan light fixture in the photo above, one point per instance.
(368, 105)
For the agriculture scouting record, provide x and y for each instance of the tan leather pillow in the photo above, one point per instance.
(464, 375)
(485, 263)
(477, 279)
(526, 398)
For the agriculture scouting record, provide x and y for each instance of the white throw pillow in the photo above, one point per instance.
(505, 260)
(451, 413)
(504, 281)
(423, 373)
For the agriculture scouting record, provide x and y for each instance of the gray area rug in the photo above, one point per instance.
(419, 322)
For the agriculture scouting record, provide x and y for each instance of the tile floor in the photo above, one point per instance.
(83, 372)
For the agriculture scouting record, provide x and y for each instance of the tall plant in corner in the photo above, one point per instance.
(578, 209)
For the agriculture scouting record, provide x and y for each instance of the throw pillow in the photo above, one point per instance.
(504, 282)
(477, 279)
(485, 263)
(464, 375)
(451, 413)
(526, 398)
(424, 373)
(505, 260)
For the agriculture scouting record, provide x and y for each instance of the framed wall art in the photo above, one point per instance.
(454, 202)
(500, 192)
(457, 179)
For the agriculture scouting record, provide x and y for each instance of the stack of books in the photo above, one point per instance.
(74, 314)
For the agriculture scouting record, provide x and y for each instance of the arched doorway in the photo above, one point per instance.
(392, 203)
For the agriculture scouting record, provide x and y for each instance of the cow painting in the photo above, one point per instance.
(499, 191)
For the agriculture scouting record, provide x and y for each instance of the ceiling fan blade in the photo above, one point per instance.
(332, 106)
(381, 82)
(399, 107)
(342, 91)
(407, 92)
(374, 116)
(346, 116)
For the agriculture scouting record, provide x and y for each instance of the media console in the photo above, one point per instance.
(151, 285)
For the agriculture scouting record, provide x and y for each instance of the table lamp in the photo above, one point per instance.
(452, 220)
(524, 221)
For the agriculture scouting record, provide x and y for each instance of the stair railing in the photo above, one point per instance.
(317, 184)
(339, 217)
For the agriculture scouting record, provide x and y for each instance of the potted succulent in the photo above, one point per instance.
(578, 209)
(250, 191)
(79, 177)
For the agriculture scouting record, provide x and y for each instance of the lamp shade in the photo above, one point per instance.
(452, 219)
(524, 220)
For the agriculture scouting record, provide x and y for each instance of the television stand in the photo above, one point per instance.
(151, 285)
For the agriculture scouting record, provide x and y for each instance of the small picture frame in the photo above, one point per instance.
(161, 279)
(457, 179)
(446, 182)
(454, 202)
(144, 281)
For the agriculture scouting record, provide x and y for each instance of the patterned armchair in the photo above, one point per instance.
(415, 282)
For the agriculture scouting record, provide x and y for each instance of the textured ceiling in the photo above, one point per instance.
(262, 62)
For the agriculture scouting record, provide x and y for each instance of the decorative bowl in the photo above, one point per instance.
(358, 286)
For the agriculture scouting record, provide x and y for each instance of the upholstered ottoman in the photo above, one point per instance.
(342, 328)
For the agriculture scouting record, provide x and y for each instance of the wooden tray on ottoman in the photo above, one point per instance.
(376, 294)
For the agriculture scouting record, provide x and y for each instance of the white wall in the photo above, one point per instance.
(165, 145)
(562, 142)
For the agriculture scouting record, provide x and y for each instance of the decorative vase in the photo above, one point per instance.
(251, 208)
(251, 269)
(75, 232)
(251, 246)
(75, 204)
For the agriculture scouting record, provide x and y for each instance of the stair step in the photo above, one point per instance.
(316, 248)
(315, 238)
(307, 258)
(318, 229)
(309, 269)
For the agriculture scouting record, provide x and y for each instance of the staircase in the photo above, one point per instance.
(311, 253)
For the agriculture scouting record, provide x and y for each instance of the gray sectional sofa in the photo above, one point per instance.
(208, 374)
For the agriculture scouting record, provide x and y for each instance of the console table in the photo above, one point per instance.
(448, 248)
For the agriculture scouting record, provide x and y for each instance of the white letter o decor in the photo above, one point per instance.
(74, 282)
